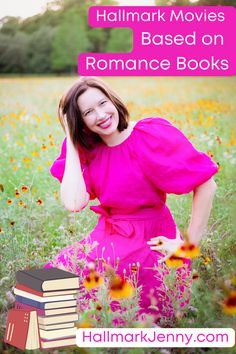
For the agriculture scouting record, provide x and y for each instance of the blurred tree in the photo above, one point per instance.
(10, 25)
(70, 39)
(121, 40)
(15, 55)
(40, 50)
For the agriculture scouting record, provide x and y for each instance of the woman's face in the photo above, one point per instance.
(98, 112)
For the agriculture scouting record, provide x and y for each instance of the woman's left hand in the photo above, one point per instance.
(166, 245)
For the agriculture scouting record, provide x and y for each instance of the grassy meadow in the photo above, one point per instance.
(34, 226)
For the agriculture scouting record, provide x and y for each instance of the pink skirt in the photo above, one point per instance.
(120, 240)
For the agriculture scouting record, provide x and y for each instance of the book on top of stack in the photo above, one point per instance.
(52, 293)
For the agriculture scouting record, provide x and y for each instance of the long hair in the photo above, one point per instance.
(69, 109)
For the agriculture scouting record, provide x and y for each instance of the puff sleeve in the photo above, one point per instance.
(168, 159)
(58, 167)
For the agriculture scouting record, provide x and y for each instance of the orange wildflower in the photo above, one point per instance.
(229, 304)
(44, 147)
(174, 261)
(188, 250)
(39, 201)
(1, 231)
(17, 193)
(9, 201)
(120, 288)
(93, 280)
(24, 189)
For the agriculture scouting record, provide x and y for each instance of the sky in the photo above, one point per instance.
(27, 8)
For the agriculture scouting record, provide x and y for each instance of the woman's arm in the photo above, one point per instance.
(201, 207)
(74, 195)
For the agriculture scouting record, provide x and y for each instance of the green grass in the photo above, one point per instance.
(203, 108)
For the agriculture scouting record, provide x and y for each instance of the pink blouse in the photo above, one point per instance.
(154, 160)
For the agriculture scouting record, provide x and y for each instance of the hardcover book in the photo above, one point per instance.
(45, 312)
(65, 342)
(48, 279)
(43, 299)
(45, 293)
(44, 320)
(22, 329)
(57, 326)
(57, 334)
(45, 305)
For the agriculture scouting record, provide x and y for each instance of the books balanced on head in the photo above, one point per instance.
(51, 293)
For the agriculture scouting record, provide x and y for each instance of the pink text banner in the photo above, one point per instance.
(167, 41)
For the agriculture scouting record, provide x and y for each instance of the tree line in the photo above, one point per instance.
(50, 42)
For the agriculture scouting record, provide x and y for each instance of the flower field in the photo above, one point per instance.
(34, 226)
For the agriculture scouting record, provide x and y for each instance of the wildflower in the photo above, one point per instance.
(188, 250)
(35, 153)
(195, 275)
(1, 188)
(210, 153)
(98, 307)
(27, 159)
(12, 223)
(1, 231)
(44, 147)
(120, 288)
(39, 201)
(9, 201)
(206, 260)
(134, 268)
(24, 189)
(229, 304)
(17, 193)
(21, 203)
(84, 324)
(174, 261)
(93, 280)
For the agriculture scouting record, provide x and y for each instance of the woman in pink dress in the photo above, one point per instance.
(129, 169)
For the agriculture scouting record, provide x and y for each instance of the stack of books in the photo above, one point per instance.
(52, 293)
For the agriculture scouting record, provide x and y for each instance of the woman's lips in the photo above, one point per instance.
(105, 124)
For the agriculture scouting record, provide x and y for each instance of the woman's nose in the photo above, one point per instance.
(100, 113)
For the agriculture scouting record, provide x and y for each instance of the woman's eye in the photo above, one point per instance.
(86, 113)
(103, 102)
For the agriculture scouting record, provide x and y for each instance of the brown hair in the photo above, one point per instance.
(68, 107)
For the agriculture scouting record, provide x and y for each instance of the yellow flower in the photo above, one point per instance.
(93, 280)
(21, 203)
(229, 304)
(1, 231)
(206, 260)
(188, 250)
(120, 288)
(174, 261)
(44, 147)
(27, 159)
(35, 153)
(84, 324)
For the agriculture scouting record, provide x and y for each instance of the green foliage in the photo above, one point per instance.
(121, 40)
(70, 40)
(40, 47)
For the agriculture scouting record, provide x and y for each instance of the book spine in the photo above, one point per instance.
(26, 279)
(33, 303)
(21, 306)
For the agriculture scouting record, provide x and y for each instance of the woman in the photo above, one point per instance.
(129, 169)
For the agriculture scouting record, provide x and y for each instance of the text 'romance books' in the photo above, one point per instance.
(47, 298)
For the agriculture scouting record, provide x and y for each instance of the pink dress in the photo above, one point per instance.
(131, 181)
